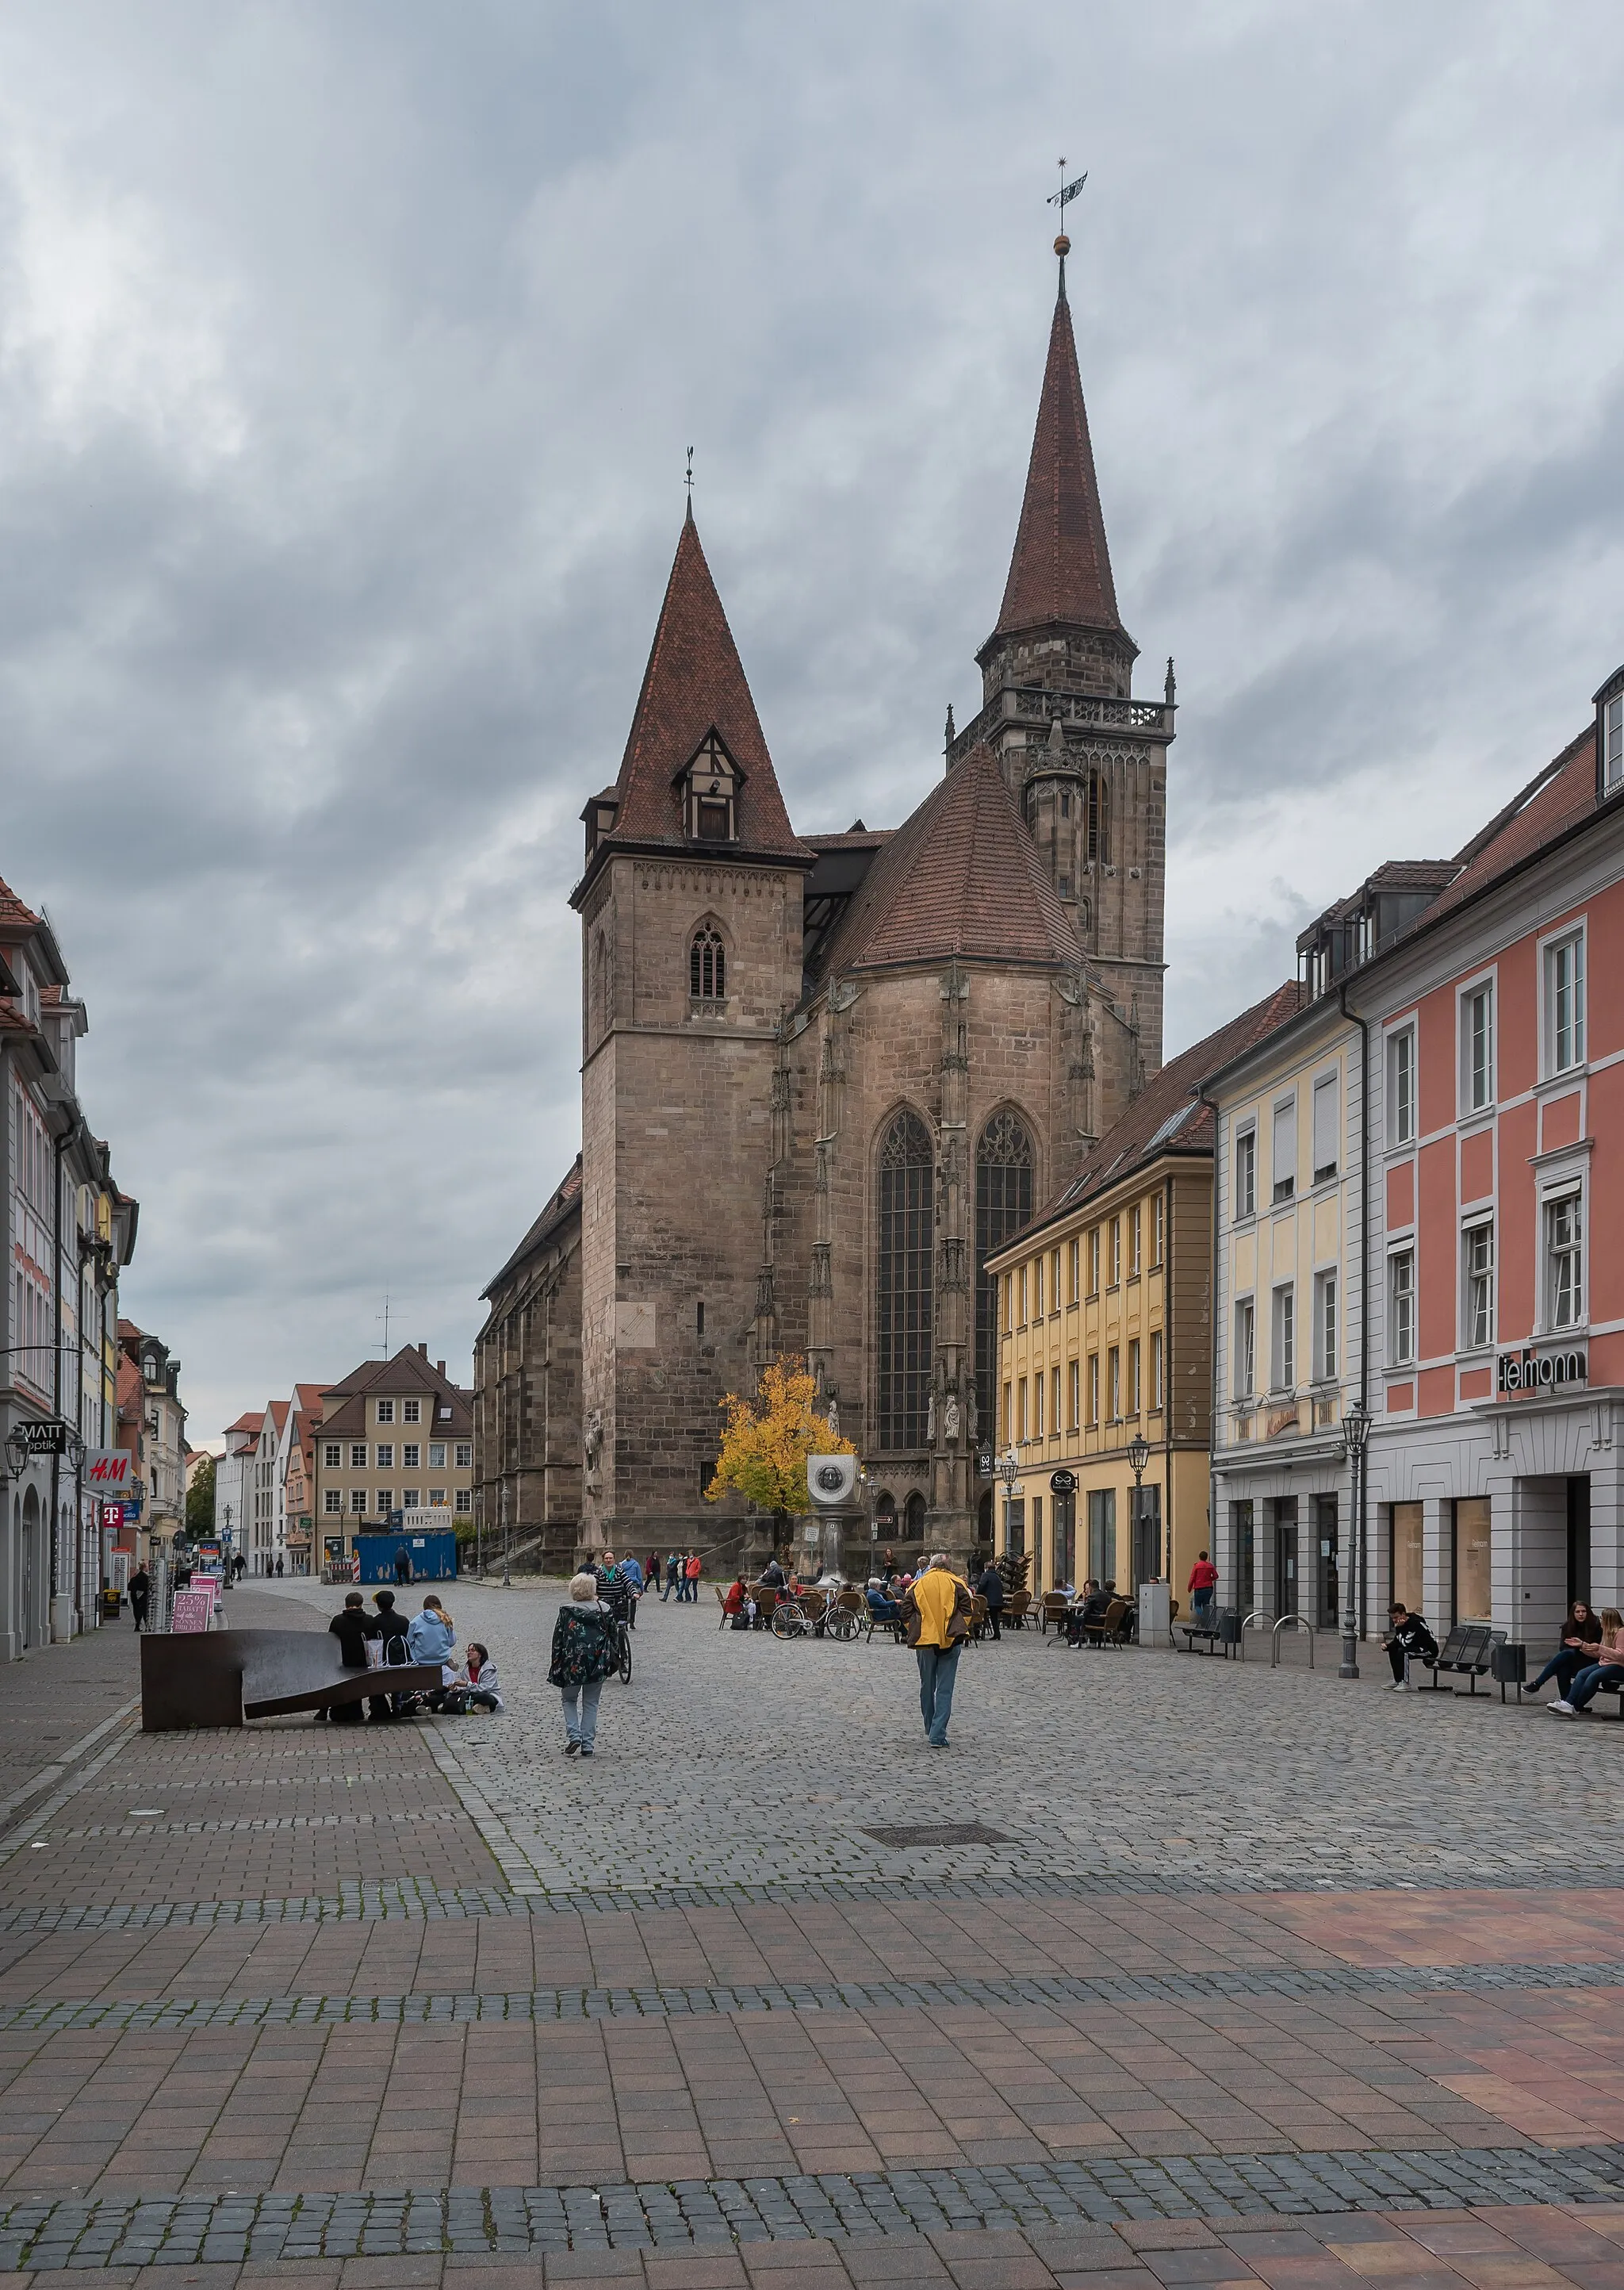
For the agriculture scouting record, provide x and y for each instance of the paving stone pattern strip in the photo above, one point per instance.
(50, 2015)
(192, 2230)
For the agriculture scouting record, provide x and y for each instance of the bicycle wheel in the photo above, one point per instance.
(787, 1620)
(843, 1623)
(625, 1657)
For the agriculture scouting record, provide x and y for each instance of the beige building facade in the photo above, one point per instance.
(395, 1435)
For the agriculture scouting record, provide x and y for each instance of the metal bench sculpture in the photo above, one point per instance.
(223, 1678)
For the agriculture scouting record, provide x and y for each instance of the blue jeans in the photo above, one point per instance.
(1590, 1682)
(582, 1728)
(1203, 1603)
(937, 1668)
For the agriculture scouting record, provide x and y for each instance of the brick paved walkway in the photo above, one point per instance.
(1252, 1991)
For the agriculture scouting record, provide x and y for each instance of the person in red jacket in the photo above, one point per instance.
(1203, 1583)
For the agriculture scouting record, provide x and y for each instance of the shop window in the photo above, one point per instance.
(1405, 1555)
(1469, 1553)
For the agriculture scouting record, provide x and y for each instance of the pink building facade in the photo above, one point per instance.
(1493, 1042)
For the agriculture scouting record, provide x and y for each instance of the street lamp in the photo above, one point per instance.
(1139, 1455)
(1355, 1431)
(1009, 1471)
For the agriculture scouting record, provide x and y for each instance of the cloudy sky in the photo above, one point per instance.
(349, 355)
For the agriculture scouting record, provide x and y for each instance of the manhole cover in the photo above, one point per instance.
(941, 1832)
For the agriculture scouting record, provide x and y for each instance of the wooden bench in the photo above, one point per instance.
(222, 1677)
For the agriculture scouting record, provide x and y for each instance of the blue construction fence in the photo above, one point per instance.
(433, 1557)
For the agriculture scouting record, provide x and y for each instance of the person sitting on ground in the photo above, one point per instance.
(352, 1627)
(1608, 1669)
(432, 1639)
(476, 1687)
(391, 1628)
(1409, 1635)
(1201, 1584)
(1581, 1643)
(990, 1588)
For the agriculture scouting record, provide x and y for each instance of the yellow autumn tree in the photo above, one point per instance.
(768, 1438)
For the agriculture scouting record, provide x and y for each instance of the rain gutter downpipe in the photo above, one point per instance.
(1365, 1276)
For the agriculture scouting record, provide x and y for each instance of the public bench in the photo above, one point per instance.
(223, 1678)
(1220, 1636)
(1468, 1652)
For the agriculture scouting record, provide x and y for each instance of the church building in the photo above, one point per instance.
(825, 1076)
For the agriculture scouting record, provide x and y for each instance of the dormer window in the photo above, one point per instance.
(710, 794)
(1612, 743)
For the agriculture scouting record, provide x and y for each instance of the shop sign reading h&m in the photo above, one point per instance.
(1531, 1370)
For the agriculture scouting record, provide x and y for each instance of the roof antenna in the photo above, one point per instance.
(1062, 199)
(384, 1317)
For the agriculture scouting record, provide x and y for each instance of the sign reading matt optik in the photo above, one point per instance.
(1531, 1371)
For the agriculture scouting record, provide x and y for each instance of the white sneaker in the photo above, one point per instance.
(1562, 1710)
(1399, 1685)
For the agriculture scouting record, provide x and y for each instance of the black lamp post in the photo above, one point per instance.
(1355, 1431)
(1139, 1455)
(1009, 1471)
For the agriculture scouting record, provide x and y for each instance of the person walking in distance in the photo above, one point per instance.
(673, 1562)
(140, 1596)
(1203, 1583)
(691, 1576)
(936, 1616)
(584, 1653)
(991, 1589)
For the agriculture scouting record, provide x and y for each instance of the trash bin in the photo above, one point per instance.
(1509, 1666)
(1230, 1627)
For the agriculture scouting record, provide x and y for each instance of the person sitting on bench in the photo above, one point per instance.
(1409, 1636)
(1608, 1670)
(1581, 1644)
(352, 1628)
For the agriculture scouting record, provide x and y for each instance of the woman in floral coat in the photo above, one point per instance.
(584, 1653)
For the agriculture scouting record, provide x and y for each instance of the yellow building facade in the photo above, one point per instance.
(1105, 1336)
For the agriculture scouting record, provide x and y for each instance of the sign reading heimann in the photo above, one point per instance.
(1531, 1371)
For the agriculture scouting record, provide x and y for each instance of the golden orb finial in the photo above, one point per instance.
(1062, 247)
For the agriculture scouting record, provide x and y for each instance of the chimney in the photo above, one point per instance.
(440, 1367)
(423, 1350)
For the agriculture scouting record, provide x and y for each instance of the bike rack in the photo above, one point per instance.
(1260, 1614)
(1302, 1624)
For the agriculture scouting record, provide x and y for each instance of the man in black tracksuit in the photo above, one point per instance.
(1409, 1635)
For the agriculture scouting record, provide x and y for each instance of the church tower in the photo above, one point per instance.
(691, 908)
(1086, 761)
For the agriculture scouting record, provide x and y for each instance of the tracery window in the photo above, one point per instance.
(707, 965)
(903, 1277)
(1099, 819)
(1003, 1203)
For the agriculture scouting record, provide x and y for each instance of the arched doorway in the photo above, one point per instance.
(912, 1519)
(984, 1521)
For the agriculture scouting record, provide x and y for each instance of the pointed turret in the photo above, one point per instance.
(1061, 571)
(696, 771)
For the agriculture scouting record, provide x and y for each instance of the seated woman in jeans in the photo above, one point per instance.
(1581, 1639)
(1608, 1671)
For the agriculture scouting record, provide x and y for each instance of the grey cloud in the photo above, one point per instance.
(347, 361)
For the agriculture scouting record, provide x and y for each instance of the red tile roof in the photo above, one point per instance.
(1555, 799)
(1061, 571)
(694, 683)
(13, 911)
(1166, 1117)
(961, 877)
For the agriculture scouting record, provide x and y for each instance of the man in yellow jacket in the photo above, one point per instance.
(936, 1616)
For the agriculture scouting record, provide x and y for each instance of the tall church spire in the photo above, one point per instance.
(1061, 571)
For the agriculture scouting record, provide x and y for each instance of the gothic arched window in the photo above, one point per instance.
(903, 1317)
(707, 965)
(1003, 1204)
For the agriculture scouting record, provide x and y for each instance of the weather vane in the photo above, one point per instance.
(1063, 198)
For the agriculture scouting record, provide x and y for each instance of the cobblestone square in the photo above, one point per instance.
(1269, 1966)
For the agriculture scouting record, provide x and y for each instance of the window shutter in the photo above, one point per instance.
(1326, 1108)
